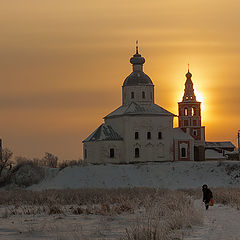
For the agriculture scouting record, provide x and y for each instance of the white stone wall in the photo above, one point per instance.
(137, 90)
(99, 151)
(153, 149)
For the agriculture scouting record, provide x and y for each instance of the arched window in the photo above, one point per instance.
(193, 111)
(195, 132)
(132, 94)
(159, 135)
(136, 152)
(183, 152)
(143, 95)
(111, 153)
(148, 135)
(185, 111)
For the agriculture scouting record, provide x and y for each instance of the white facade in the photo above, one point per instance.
(139, 130)
(153, 137)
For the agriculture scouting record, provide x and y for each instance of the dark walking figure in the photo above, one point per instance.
(207, 195)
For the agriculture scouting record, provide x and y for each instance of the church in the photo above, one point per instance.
(142, 131)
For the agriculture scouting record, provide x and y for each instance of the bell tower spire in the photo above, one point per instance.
(189, 94)
(189, 110)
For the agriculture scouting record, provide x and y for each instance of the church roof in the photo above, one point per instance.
(136, 109)
(226, 144)
(137, 78)
(103, 133)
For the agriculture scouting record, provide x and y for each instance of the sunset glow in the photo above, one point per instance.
(200, 98)
(62, 65)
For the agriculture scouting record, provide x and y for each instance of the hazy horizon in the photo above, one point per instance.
(62, 65)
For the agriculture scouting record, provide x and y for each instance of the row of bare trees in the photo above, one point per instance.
(6, 162)
(48, 160)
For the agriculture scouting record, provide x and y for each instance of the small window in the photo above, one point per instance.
(194, 122)
(136, 135)
(185, 112)
(193, 111)
(159, 135)
(143, 95)
(85, 153)
(136, 152)
(195, 132)
(148, 135)
(111, 152)
(185, 122)
(183, 152)
(132, 94)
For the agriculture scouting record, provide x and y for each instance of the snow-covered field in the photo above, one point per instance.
(64, 227)
(220, 222)
(172, 175)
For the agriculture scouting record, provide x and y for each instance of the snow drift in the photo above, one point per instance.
(172, 175)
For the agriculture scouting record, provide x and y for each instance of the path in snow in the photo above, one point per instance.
(220, 223)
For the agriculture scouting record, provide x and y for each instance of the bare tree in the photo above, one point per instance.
(50, 159)
(5, 160)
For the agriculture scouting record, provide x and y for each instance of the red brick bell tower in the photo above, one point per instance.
(189, 120)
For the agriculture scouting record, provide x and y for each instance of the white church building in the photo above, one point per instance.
(141, 131)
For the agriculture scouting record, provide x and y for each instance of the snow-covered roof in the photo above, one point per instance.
(103, 133)
(226, 144)
(137, 78)
(136, 109)
(211, 154)
(178, 133)
(231, 152)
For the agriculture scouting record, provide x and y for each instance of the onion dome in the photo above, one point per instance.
(188, 75)
(189, 91)
(137, 59)
(137, 77)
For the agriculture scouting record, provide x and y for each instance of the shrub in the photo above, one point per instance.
(54, 209)
(26, 174)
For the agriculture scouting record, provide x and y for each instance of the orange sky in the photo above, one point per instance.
(62, 65)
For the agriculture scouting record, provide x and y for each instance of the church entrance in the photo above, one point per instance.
(199, 153)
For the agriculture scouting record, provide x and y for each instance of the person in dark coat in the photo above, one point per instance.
(207, 195)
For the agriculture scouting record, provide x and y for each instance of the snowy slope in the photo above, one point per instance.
(173, 175)
(220, 223)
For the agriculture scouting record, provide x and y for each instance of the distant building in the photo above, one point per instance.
(219, 151)
(141, 131)
(221, 146)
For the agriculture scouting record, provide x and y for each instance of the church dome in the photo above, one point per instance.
(137, 78)
(188, 75)
(137, 59)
